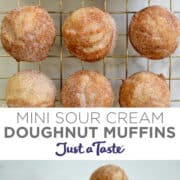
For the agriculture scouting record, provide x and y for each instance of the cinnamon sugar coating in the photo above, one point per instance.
(89, 33)
(87, 89)
(144, 89)
(28, 33)
(109, 172)
(30, 88)
(154, 32)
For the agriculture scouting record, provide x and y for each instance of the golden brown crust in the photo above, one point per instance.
(89, 33)
(87, 89)
(109, 172)
(28, 33)
(30, 89)
(144, 89)
(154, 32)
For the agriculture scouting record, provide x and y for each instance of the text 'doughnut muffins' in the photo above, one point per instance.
(144, 89)
(28, 33)
(109, 172)
(30, 88)
(89, 33)
(154, 32)
(87, 89)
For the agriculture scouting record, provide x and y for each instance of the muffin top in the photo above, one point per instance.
(89, 33)
(144, 89)
(87, 89)
(109, 172)
(30, 88)
(28, 33)
(154, 32)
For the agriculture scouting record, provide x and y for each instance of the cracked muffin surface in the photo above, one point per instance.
(87, 89)
(89, 33)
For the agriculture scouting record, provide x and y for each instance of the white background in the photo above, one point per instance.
(136, 148)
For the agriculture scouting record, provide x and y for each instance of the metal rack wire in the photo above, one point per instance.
(125, 57)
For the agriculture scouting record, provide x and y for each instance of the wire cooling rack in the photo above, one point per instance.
(123, 62)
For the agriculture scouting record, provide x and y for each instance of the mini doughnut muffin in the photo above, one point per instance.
(89, 33)
(154, 32)
(28, 33)
(109, 172)
(87, 89)
(30, 88)
(144, 89)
